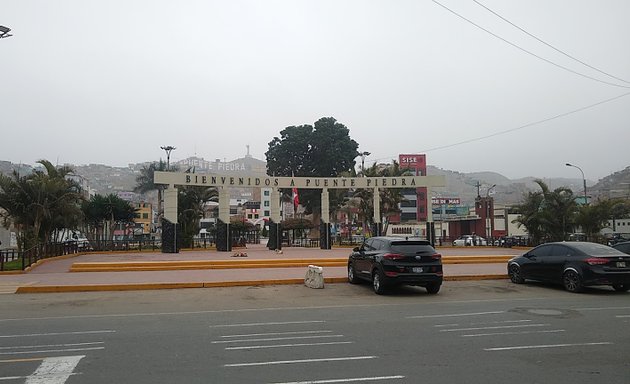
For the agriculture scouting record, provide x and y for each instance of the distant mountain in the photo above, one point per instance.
(616, 185)
(467, 186)
(104, 179)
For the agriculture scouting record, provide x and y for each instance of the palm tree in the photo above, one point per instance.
(390, 198)
(548, 215)
(145, 183)
(191, 201)
(39, 202)
(107, 212)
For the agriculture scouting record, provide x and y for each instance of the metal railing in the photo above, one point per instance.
(12, 259)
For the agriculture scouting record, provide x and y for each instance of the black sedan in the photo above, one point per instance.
(387, 261)
(573, 264)
(624, 247)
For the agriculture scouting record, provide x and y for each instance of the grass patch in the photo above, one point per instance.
(15, 265)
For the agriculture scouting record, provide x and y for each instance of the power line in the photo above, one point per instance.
(521, 127)
(549, 45)
(526, 51)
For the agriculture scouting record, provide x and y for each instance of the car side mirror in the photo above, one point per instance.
(356, 249)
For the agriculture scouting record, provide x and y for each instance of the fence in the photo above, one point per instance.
(13, 259)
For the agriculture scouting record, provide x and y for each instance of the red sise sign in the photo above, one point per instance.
(417, 162)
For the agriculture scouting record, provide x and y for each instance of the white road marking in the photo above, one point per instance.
(513, 333)
(486, 322)
(52, 350)
(270, 323)
(57, 334)
(287, 345)
(271, 309)
(455, 315)
(52, 345)
(54, 370)
(276, 333)
(300, 361)
(600, 309)
(497, 327)
(25, 377)
(501, 322)
(622, 316)
(356, 379)
(546, 346)
(275, 339)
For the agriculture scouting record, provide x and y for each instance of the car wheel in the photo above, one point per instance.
(572, 281)
(378, 282)
(621, 287)
(514, 271)
(433, 288)
(352, 278)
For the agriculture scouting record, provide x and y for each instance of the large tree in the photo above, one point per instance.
(322, 150)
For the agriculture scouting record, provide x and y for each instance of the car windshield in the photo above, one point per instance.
(597, 249)
(412, 248)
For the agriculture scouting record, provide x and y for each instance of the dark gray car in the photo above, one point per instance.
(623, 247)
(573, 264)
(387, 261)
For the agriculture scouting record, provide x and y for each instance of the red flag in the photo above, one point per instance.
(296, 199)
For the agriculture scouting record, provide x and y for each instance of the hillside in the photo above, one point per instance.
(104, 179)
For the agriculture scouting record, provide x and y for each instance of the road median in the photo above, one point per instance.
(250, 263)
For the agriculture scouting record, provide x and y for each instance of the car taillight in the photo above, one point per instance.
(393, 256)
(596, 261)
(436, 256)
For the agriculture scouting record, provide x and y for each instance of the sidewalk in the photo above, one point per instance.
(54, 275)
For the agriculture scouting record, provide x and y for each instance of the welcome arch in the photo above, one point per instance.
(224, 182)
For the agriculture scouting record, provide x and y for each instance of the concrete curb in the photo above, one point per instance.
(218, 284)
(251, 263)
(18, 272)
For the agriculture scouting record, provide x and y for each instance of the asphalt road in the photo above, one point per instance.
(471, 332)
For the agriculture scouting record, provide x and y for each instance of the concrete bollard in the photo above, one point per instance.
(314, 277)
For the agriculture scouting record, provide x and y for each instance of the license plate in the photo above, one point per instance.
(417, 269)
(621, 264)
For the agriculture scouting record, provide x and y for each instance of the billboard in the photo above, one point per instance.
(446, 201)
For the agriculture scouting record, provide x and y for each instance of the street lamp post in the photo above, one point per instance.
(168, 150)
(488, 218)
(4, 32)
(363, 155)
(583, 180)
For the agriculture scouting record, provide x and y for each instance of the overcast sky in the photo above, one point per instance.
(111, 81)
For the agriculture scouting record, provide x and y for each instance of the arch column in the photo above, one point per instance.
(224, 232)
(275, 225)
(325, 240)
(171, 231)
(378, 226)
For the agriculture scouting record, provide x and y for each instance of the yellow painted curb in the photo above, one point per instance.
(204, 264)
(104, 287)
(251, 263)
(218, 284)
(18, 272)
(475, 277)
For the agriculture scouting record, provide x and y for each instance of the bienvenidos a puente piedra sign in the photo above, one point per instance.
(224, 182)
